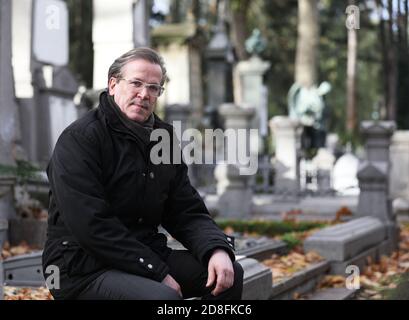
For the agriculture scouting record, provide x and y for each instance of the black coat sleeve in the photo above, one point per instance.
(75, 175)
(188, 220)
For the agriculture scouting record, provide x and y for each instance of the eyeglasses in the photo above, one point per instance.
(154, 90)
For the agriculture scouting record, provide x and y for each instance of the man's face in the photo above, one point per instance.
(136, 104)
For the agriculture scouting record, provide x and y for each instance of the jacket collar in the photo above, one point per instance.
(118, 121)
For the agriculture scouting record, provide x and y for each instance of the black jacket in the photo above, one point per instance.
(107, 200)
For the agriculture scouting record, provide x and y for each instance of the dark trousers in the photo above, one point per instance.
(184, 268)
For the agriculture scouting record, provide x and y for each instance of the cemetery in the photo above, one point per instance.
(316, 212)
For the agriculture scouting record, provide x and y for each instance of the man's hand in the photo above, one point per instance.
(170, 282)
(220, 269)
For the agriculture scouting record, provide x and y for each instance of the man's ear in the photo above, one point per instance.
(111, 86)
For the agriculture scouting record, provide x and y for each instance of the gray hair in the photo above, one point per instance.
(144, 53)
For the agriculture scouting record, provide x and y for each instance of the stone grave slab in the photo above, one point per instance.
(24, 270)
(347, 240)
(301, 282)
(257, 280)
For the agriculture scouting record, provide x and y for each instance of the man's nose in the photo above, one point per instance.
(143, 92)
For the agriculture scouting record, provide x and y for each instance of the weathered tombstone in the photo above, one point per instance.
(55, 107)
(399, 179)
(287, 134)
(9, 124)
(233, 187)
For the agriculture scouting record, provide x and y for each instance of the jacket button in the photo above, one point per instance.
(143, 174)
(228, 239)
(150, 266)
(140, 220)
(152, 175)
(64, 243)
(141, 260)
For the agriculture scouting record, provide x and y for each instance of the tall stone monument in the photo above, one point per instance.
(9, 124)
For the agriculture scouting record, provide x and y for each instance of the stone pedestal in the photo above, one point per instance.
(233, 184)
(287, 143)
(249, 91)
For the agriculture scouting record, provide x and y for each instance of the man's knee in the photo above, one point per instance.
(167, 294)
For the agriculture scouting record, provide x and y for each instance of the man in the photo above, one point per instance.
(107, 200)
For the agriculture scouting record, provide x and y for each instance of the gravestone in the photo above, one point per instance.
(374, 177)
(286, 134)
(219, 61)
(9, 124)
(55, 88)
(233, 187)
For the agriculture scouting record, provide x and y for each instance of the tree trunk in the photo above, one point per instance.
(239, 27)
(351, 80)
(392, 68)
(307, 43)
